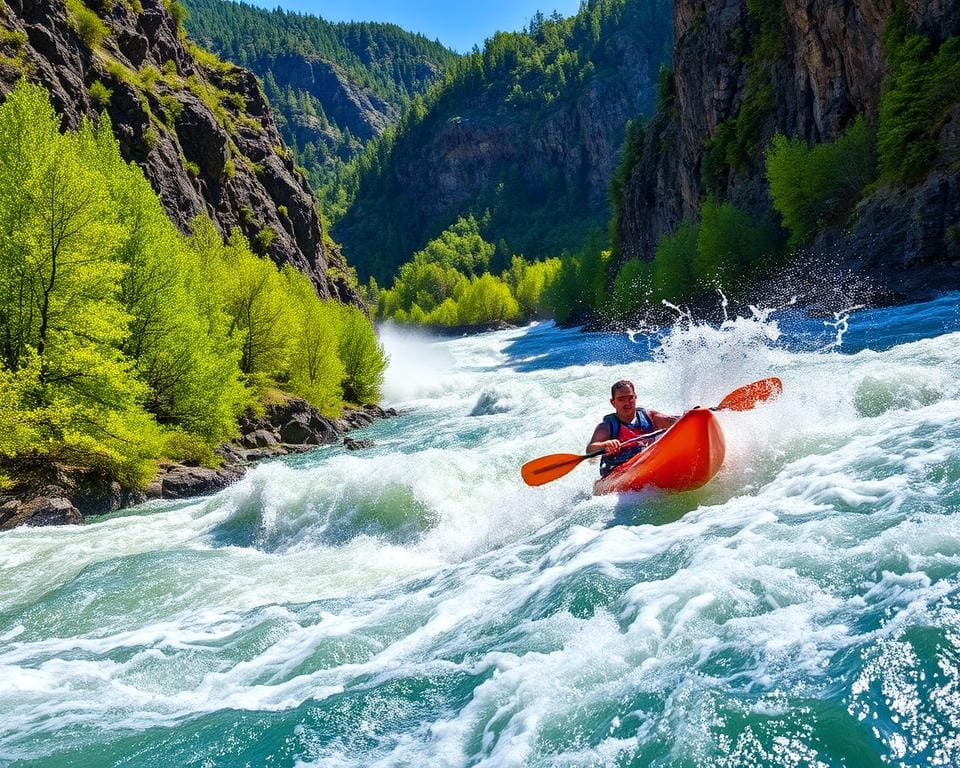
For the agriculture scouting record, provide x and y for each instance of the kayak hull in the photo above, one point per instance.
(688, 455)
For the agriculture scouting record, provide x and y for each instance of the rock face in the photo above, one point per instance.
(480, 142)
(348, 105)
(55, 494)
(829, 70)
(201, 130)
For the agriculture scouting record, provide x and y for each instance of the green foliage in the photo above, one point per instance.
(486, 299)
(812, 187)
(363, 357)
(264, 238)
(100, 94)
(447, 284)
(60, 315)
(461, 247)
(673, 278)
(178, 12)
(725, 249)
(630, 290)
(922, 86)
(315, 370)
(629, 158)
(121, 340)
(732, 247)
(86, 24)
(580, 286)
(530, 283)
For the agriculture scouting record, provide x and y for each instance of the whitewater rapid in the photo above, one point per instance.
(416, 604)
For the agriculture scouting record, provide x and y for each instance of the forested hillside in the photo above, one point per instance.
(524, 136)
(333, 86)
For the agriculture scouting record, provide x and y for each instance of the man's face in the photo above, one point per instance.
(625, 402)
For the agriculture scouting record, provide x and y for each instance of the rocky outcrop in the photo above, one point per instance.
(346, 104)
(829, 70)
(53, 493)
(201, 130)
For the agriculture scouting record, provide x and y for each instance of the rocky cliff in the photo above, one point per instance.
(824, 65)
(200, 129)
(346, 104)
(521, 138)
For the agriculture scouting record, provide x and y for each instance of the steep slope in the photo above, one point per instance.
(745, 70)
(333, 86)
(200, 129)
(524, 135)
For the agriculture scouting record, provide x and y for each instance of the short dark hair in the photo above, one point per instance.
(622, 384)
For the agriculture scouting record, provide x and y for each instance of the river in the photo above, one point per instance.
(416, 604)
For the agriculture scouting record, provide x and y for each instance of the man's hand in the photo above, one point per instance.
(611, 447)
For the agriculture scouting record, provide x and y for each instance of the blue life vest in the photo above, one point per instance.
(641, 423)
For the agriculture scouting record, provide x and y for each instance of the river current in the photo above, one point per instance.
(416, 604)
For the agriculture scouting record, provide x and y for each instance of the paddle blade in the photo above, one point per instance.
(547, 468)
(748, 396)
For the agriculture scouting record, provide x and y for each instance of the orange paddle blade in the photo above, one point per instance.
(547, 468)
(748, 396)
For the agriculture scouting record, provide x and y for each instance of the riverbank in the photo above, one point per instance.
(48, 492)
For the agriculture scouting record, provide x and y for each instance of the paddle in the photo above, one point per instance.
(547, 468)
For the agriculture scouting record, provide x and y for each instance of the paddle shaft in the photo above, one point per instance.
(574, 460)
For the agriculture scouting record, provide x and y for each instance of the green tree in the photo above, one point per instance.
(316, 372)
(921, 87)
(673, 278)
(812, 187)
(363, 357)
(487, 300)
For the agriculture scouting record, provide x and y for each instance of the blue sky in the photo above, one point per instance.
(455, 23)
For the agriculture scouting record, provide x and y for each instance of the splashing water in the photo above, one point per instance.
(415, 604)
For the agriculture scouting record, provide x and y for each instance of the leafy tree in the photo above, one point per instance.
(60, 318)
(178, 341)
(731, 246)
(487, 300)
(673, 277)
(812, 187)
(363, 357)
(316, 372)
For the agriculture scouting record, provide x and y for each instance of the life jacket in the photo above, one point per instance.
(641, 424)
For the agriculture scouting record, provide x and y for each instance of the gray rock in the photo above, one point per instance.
(356, 445)
(260, 438)
(182, 482)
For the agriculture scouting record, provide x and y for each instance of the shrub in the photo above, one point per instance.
(264, 238)
(99, 94)
(812, 187)
(363, 357)
(86, 24)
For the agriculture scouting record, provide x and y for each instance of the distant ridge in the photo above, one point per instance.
(333, 85)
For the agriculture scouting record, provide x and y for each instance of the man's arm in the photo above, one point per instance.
(661, 420)
(601, 440)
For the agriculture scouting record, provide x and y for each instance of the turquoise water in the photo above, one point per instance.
(417, 605)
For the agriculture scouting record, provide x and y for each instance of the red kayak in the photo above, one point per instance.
(687, 456)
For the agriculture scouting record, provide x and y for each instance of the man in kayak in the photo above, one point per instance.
(627, 423)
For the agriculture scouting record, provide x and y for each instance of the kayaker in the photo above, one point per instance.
(626, 423)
